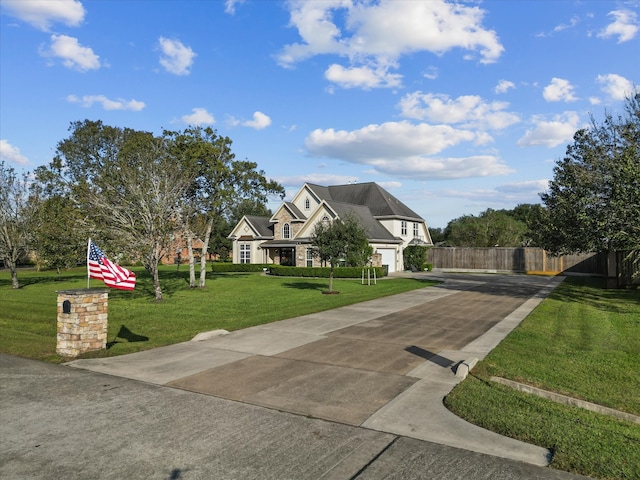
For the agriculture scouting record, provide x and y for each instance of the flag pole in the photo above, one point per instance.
(88, 275)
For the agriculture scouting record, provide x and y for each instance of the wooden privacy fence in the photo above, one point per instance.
(515, 260)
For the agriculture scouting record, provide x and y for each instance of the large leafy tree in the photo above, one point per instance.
(593, 201)
(129, 186)
(341, 241)
(16, 217)
(220, 184)
(489, 229)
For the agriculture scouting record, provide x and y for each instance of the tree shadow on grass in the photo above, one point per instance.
(305, 286)
(125, 334)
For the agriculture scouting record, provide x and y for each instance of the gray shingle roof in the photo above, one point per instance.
(377, 199)
(262, 225)
(375, 230)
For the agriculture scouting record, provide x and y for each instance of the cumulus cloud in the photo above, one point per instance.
(551, 133)
(504, 86)
(624, 26)
(176, 57)
(260, 121)
(43, 13)
(507, 195)
(230, 6)
(108, 104)
(404, 150)
(11, 154)
(315, 178)
(363, 77)
(374, 35)
(559, 90)
(200, 116)
(72, 54)
(469, 111)
(615, 86)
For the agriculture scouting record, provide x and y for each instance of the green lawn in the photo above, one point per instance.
(230, 302)
(582, 341)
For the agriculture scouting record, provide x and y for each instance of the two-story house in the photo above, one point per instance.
(284, 238)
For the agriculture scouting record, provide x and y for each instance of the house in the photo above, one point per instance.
(284, 238)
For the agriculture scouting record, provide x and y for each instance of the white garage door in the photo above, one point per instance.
(388, 258)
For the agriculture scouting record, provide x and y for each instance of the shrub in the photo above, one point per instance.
(415, 256)
(223, 267)
(323, 272)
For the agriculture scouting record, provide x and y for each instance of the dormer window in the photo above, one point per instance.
(307, 204)
(286, 231)
(325, 219)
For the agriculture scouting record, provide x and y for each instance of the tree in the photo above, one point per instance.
(15, 219)
(491, 228)
(341, 240)
(220, 181)
(437, 235)
(129, 186)
(593, 201)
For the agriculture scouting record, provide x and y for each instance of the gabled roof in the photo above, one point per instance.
(261, 225)
(380, 202)
(375, 231)
(295, 212)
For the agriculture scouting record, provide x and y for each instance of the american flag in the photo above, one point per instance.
(101, 268)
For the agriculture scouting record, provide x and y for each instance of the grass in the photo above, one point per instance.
(582, 341)
(229, 301)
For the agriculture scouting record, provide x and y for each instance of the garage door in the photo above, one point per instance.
(388, 258)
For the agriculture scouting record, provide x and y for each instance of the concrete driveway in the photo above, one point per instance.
(348, 392)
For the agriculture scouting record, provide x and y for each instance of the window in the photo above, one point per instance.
(416, 230)
(307, 204)
(403, 227)
(286, 231)
(325, 219)
(245, 253)
(309, 257)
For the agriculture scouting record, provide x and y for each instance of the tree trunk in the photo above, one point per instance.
(192, 261)
(331, 280)
(14, 277)
(203, 257)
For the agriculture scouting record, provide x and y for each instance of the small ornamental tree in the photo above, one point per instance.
(341, 241)
(415, 256)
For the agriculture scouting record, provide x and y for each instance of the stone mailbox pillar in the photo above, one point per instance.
(82, 321)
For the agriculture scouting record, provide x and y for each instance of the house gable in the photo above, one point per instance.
(307, 200)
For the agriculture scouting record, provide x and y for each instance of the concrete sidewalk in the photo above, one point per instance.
(384, 365)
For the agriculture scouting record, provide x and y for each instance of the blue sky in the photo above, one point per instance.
(453, 107)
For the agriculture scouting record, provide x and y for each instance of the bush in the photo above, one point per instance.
(323, 272)
(415, 256)
(223, 267)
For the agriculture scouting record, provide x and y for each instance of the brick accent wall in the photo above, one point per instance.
(82, 321)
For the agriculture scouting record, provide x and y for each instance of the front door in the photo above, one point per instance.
(288, 257)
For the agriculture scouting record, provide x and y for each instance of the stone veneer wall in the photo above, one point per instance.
(82, 326)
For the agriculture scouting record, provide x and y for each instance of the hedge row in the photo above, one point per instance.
(323, 272)
(237, 267)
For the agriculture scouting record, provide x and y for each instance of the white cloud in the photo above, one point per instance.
(551, 133)
(315, 178)
(504, 86)
(431, 73)
(118, 104)
(364, 77)
(230, 6)
(404, 150)
(625, 26)
(260, 121)
(470, 111)
(200, 116)
(377, 34)
(43, 13)
(616, 86)
(11, 154)
(559, 90)
(176, 57)
(564, 26)
(527, 187)
(507, 195)
(72, 54)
